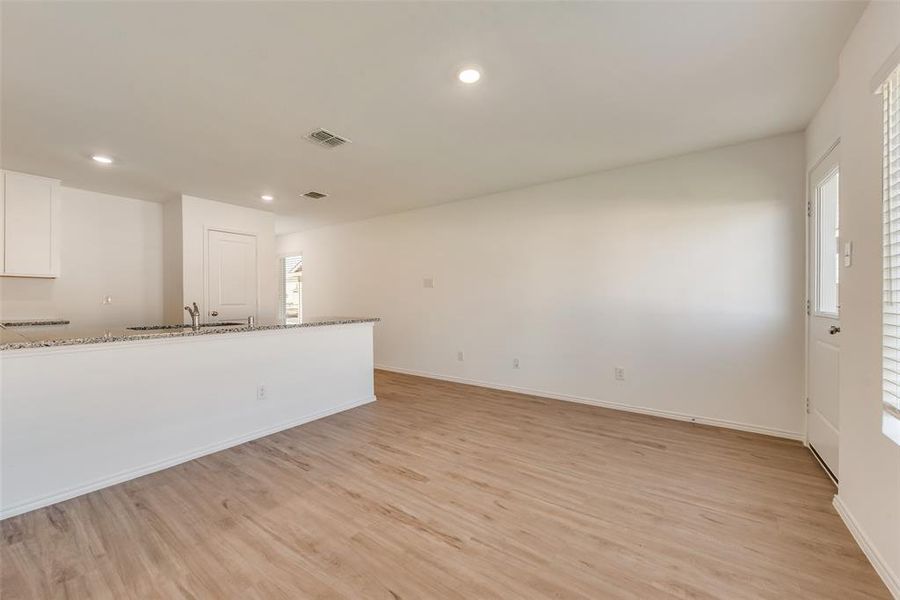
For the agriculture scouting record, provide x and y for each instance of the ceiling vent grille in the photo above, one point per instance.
(326, 138)
(315, 195)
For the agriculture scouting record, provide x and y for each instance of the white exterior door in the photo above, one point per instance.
(823, 344)
(232, 287)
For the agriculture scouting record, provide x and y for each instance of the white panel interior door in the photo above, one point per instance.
(232, 287)
(824, 350)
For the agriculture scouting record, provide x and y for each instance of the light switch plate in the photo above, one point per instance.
(428, 282)
(848, 254)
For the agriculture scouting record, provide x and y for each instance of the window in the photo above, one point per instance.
(292, 289)
(827, 255)
(890, 90)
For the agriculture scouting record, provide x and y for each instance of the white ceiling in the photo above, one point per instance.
(213, 99)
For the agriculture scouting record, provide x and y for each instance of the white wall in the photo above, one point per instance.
(110, 246)
(199, 215)
(173, 267)
(824, 130)
(870, 462)
(687, 272)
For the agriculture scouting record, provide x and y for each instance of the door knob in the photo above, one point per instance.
(214, 313)
(834, 329)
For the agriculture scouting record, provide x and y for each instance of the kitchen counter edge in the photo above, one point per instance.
(138, 336)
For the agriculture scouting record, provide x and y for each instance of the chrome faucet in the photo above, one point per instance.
(195, 316)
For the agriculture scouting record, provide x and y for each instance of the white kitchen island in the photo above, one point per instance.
(84, 410)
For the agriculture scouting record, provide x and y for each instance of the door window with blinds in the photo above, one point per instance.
(890, 90)
(292, 289)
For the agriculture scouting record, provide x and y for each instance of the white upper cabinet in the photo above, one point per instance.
(29, 236)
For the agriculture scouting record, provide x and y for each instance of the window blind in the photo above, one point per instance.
(290, 264)
(891, 312)
(289, 267)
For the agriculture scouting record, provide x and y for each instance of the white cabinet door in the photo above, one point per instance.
(30, 225)
(232, 287)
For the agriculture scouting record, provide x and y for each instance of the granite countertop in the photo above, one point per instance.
(52, 335)
(33, 322)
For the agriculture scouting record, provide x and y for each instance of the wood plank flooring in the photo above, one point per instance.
(440, 490)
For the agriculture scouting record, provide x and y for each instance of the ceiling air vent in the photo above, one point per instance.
(326, 138)
(315, 195)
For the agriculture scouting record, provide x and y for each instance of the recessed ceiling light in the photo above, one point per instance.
(267, 198)
(102, 159)
(469, 75)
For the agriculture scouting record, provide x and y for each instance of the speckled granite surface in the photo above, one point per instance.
(72, 335)
(34, 322)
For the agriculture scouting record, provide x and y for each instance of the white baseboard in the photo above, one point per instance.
(781, 433)
(123, 476)
(890, 579)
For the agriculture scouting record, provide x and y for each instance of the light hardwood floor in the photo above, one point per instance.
(440, 490)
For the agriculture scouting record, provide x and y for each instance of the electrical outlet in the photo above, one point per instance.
(620, 373)
(515, 363)
(428, 282)
(460, 356)
(261, 392)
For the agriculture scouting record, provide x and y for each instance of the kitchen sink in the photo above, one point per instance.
(153, 327)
